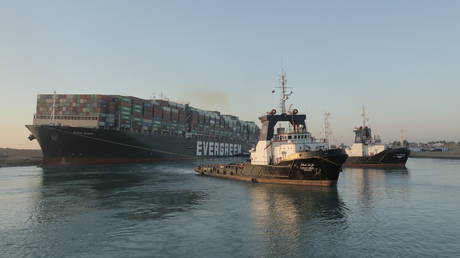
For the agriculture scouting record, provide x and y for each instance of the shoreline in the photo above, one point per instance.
(434, 155)
(20, 157)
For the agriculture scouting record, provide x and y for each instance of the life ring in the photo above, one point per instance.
(273, 111)
(295, 111)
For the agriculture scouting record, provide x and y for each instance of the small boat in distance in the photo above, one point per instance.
(290, 156)
(367, 151)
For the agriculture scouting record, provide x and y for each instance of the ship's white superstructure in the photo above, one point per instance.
(274, 148)
(365, 145)
(364, 150)
(281, 146)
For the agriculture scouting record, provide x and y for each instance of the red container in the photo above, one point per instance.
(174, 115)
(182, 117)
(166, 116)
(157, 112)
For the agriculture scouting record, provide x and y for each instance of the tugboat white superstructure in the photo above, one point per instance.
(367, 151)
(288, 157)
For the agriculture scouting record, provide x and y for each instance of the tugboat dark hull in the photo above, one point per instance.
(320, 168)
(390, 158)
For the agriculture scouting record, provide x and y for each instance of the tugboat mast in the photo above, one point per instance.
(327, 128)
(284, 95)
(364, 117)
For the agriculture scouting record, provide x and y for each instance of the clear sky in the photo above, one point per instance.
(398, 58)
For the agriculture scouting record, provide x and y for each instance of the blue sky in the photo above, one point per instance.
(398, 58)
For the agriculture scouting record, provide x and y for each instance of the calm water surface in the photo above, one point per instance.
(165, 210)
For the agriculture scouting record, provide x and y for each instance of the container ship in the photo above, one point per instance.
(367, 151)
(81, 129)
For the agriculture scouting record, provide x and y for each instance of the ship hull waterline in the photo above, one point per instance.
(390, 158)
(320, 169)
(278, 181)
(77, 146)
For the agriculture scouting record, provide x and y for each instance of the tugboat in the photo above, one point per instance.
(290, 156)
(367, 151)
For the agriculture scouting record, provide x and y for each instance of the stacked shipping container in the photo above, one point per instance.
(137, 117)
(156, 116)
(125, 113)
(147, 116)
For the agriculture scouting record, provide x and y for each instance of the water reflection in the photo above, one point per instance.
(372, 185)
(286, 217)
(166, 211)
(138, 192)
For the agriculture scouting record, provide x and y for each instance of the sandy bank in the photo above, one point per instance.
(19, 157)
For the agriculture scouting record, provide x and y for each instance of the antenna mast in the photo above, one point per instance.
(402, 137)
(284, 95)
(365, 119)
(327, 127)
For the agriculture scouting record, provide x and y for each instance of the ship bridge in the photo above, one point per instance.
(269, 122)
(294, 137)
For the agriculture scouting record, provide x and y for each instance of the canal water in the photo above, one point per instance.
(164, 210)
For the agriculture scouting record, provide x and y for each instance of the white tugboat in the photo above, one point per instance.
(290, 156)
(367, 151)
